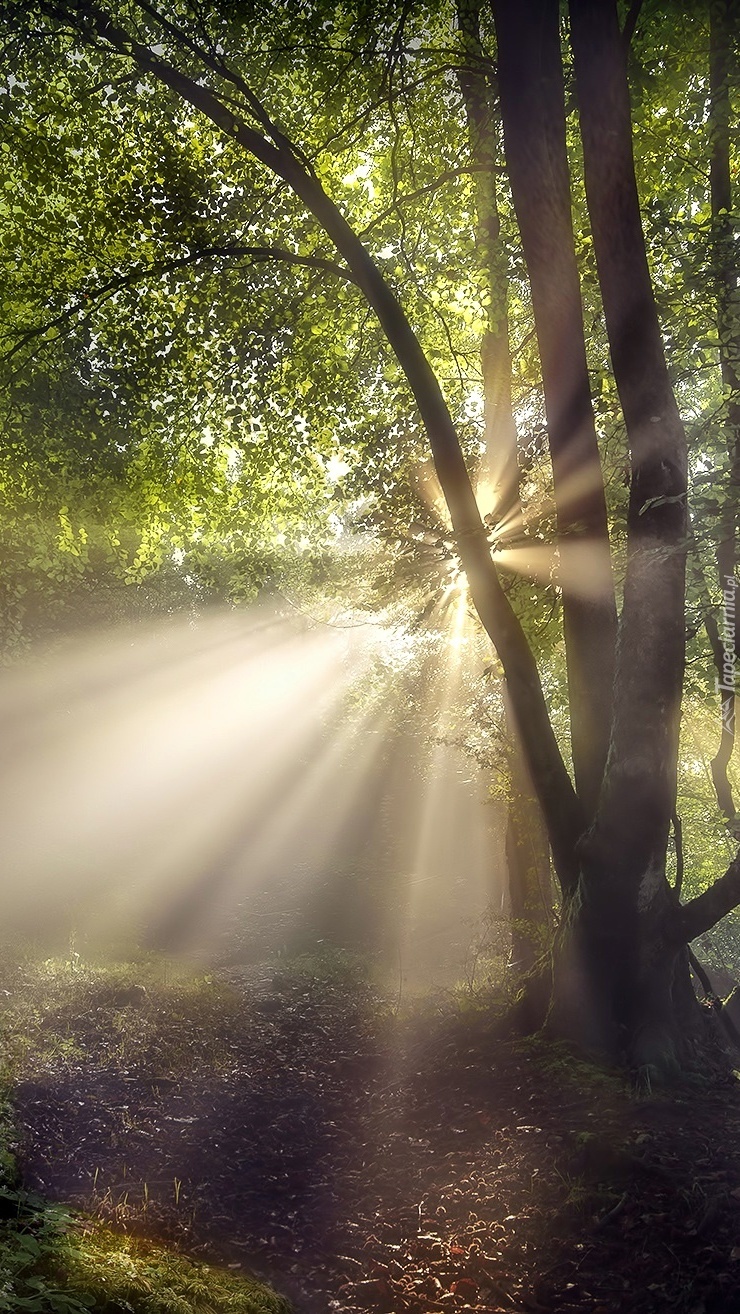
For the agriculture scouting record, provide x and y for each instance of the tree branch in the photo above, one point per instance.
(630, 23)
(713, 998)
(703, 912)
(678, 845)
(428, 189)
(257, 254)
(221, 69)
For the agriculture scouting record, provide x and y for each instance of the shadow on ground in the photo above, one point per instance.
(367, 1162)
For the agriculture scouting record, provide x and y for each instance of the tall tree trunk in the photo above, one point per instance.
(723, 17)
(500, 466)
(532, 104)
(625, 905)
(527, 861)
(527, 846)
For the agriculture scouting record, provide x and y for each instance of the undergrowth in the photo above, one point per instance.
(52, 1261)
(59, 1010)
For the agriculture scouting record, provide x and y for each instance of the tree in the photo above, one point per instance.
(722, 26)
(527, 849)
(620, 976)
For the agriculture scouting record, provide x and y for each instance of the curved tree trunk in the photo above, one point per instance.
(271, 147)
(528, 864)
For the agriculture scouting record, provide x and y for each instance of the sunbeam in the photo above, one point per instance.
(448, 834)
(192, 786)
(573, 565)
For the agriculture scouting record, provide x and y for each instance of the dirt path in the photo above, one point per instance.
(367, 1164)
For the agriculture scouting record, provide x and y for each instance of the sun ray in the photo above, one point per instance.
(574, 564)
(448, 838)
(167, 785)
(120, 770)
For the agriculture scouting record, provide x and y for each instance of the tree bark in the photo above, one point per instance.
(500, 476)
(618, 950)
(527, 861)
(723, 15)
(532, 104)
(639, 786)
(700, 914)
(527, 845)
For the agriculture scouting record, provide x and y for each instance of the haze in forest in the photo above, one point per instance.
(232, 787)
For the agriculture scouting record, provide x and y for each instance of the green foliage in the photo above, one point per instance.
(32, 1247)
(213, 390)
(708, 846)
(52, 1262)
(8, 1170)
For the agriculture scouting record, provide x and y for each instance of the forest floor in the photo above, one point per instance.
(367, 1158)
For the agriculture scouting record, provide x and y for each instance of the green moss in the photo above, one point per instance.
(560, 1062)
(157, 1281)
(51, 1261)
